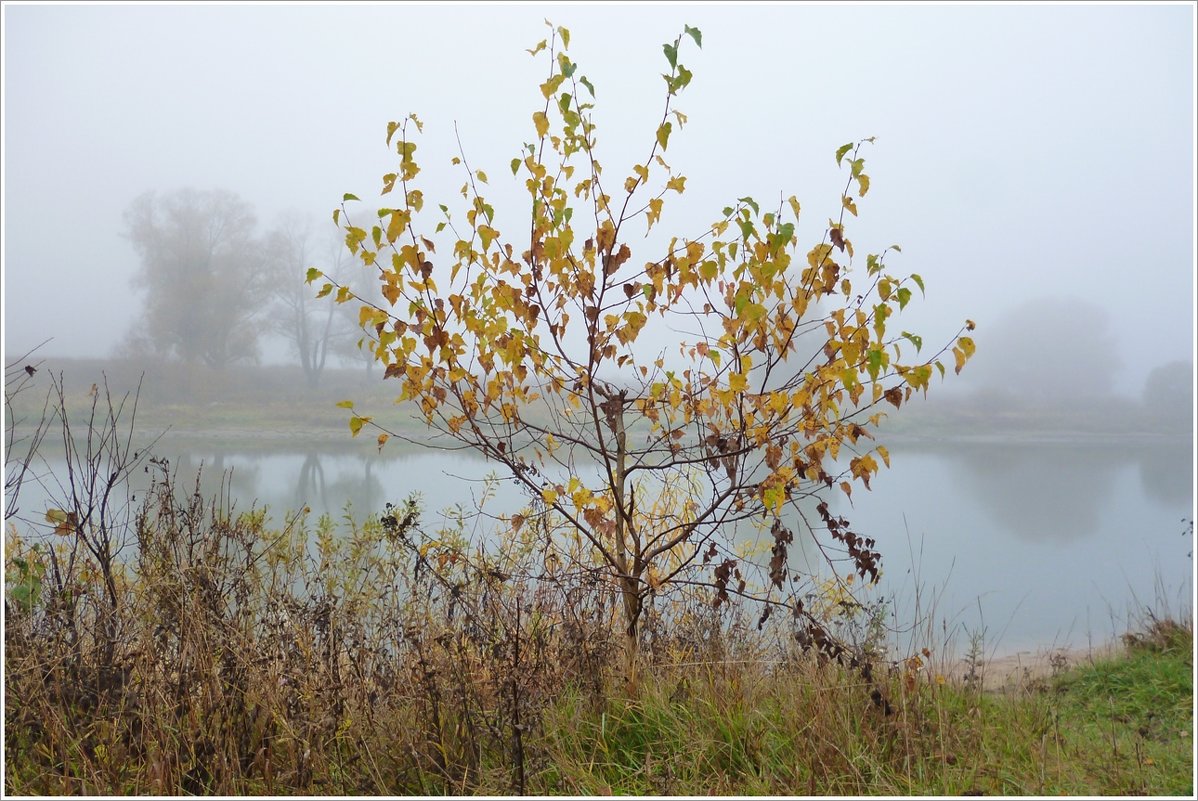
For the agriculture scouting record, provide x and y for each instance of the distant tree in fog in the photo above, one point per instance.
(1169, 394)
(308, 328)
(1048, 349)
(353, 345)
(203, 270)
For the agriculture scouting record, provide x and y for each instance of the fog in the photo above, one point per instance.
(1022, 152)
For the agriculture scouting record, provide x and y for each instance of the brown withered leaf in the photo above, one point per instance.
(722, 574)
(611, 263)
(837, 238)
(765, 615)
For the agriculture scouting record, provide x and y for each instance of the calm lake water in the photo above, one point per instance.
(1039, 545)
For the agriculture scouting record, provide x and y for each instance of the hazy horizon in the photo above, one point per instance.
(1022, 152)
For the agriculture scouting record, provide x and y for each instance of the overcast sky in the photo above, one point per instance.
(1022, 151)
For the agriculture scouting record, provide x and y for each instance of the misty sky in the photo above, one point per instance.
(1022, 151)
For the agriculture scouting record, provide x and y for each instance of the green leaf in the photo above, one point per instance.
(583, 80)
(694, 33)
(683, 80)
(663, 134)
(918, 282)
(349, 196)
(875, 363)
(671, 54)
(515, 166)
(751, 203)
(917, 341)
(841, 151)
(313, 274)
(904, 297)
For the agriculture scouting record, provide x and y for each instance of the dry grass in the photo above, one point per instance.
(178, 646)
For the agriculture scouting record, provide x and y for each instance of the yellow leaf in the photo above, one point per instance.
(542, 122)
(653, 578)
(654, 212)
(773, 497)
(549, 496)
(885, 454)
(794, 206)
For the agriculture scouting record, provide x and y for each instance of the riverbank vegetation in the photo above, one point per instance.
(174, 643)
(270, 407)
(213, 655)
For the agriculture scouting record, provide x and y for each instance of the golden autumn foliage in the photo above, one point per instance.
(523, 341)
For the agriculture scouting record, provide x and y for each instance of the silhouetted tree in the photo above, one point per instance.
(309, 329)
(1169, 395)
(203, 270)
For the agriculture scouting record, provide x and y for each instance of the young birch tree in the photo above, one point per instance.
(522, 344)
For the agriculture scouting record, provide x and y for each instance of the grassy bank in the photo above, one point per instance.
(216, 656)
(275, 404)
(171, 646)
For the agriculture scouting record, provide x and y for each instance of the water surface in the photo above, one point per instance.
(1037, 545)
